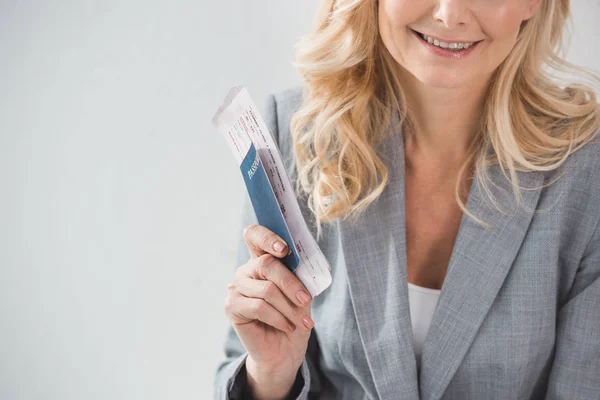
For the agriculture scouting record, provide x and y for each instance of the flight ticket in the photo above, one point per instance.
(269, 187)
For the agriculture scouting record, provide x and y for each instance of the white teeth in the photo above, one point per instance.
(445, 45)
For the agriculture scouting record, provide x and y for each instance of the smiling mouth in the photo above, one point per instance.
(446, 45)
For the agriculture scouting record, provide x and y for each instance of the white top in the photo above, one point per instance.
(422, 303)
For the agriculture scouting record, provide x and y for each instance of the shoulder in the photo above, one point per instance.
(582, 167)
(278, 110)
(575, 188)
(288, 100)
(582, 194)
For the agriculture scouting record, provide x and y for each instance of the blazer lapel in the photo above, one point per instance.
(374, 250)
(478, 266)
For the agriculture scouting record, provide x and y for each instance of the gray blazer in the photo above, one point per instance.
(519, 311)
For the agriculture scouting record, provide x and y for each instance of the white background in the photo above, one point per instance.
(119, 203)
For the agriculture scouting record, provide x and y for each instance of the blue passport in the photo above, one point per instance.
(265, 203)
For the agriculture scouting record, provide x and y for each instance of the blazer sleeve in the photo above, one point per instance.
(575, 372)
(230, 378)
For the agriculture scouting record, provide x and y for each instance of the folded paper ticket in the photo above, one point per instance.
(270, 188)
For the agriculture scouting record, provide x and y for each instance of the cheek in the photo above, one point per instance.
(398, 12)
(394, 17)
(501, 25)
(502, 28)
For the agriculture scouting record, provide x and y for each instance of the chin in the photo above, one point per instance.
(442, 81)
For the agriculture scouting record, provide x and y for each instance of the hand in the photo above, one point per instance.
(269, 309)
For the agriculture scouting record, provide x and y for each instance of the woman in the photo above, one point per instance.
(412, 110)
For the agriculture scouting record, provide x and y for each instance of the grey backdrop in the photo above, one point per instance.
(119, 203)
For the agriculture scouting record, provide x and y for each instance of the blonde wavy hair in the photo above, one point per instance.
(352, 94)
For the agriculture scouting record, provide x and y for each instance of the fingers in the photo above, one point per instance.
(242, 310)
(267, 267)
(269, 292)
(265, 290)
(261, 240)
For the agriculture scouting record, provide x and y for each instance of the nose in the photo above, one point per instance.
(452, 13)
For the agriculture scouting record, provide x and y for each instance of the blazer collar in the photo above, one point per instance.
(374, 247)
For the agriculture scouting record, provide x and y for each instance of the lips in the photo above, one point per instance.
(448, 50)
(425, 36)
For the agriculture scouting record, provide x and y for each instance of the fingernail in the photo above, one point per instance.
(292, 327)
(279, 246)
(308, 322)
(303, 297)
